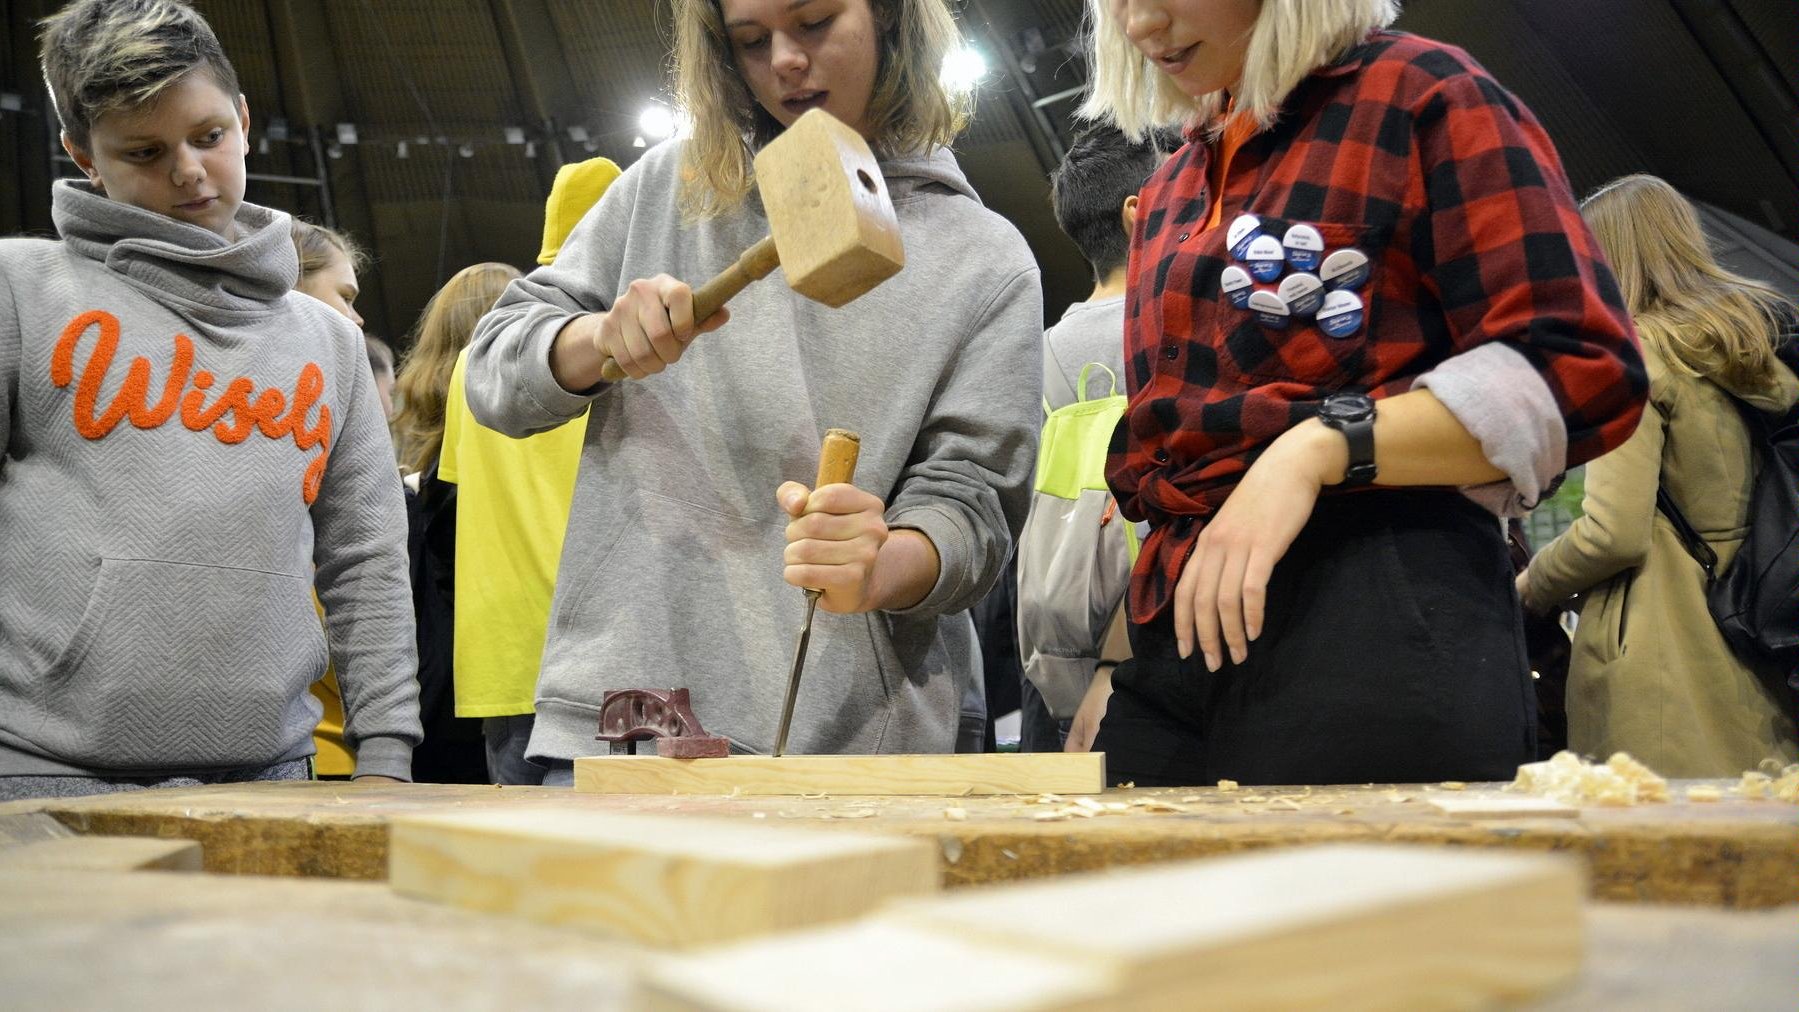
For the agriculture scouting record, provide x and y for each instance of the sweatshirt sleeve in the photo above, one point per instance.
(508, 381)
(967, 486)
(10, 354)
(1617, 515)
(1504, 250)
(359, 547)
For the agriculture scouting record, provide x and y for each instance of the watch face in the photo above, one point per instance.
(1346, 407)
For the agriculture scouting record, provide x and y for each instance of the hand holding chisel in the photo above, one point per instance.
(836, 465)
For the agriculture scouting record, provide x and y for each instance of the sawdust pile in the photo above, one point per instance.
(1622, 780)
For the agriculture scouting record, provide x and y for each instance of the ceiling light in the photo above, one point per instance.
(962, 70)
(657, 122)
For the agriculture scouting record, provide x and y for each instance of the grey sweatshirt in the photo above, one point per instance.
(1088, 332)
(181, 441)
(671, 570)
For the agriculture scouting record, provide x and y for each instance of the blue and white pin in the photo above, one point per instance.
(1303, 293)
(1270, 310)
(1305, 247)
(1247, 228)
(1341, 315)
(1345, 269)
(1265, 258)
(1236, 284)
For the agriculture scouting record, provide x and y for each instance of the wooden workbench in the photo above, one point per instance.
(1733, 853)
(179, 941)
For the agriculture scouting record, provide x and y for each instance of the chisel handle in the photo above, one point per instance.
(836, 466)
(837, 458)
(709, 298)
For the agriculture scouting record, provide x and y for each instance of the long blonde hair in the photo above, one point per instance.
(909, 110)
(1709, 321)
(442, 332)
(317, 244)
(1290, 40)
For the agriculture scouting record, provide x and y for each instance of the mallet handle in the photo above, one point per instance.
(709, 298)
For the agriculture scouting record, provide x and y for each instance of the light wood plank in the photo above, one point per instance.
(951, 775)
(657, 880)
(1504, 808)
(871, 966)
(102, 853)
(1327, 927)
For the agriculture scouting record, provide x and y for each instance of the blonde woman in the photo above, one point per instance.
(1360, 286)
(329, 264)
(1651, 674)
(443, 330)
(686, 544)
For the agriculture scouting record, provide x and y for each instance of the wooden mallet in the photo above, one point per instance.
(830, 222)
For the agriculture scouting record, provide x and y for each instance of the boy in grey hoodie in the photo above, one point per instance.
(181, 442)
(672, 570)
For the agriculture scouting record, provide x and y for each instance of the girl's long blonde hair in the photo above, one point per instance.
(909, 110)
(442, 332)
(1290, 40)
(1709, 321)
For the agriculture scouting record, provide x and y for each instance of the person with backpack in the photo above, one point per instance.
(1652, 674)
(1074, 557)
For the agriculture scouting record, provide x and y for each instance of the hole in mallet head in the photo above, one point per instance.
(868, 182)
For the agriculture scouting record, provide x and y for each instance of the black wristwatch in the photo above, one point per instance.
(1353, 415)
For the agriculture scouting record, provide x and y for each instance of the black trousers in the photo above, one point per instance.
(1392, 652)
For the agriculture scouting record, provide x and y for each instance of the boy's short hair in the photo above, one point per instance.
(1089, 188)
(100, 56)
(381, 355)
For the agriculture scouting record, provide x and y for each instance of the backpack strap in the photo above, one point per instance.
(1701, 552)
(1081, 383)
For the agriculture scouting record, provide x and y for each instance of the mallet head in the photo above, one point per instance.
(828, 210)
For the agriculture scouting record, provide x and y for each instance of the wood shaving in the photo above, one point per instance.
(1453, 785)
(1226, 786)
(1704, 792)
(1564, 777)
(758, 815)
(1127, 785)
(952, 848)
(1345, 811)
(1755, 785)
(1090, 805)
(956, 814)
(1160, 806)
(1048, 799)
(1057, 815)
(1787, 787)
(1251, 799)
(1009, 855)
(1190, 798)
(1284, 804)
(815, 797)
(1117, 807)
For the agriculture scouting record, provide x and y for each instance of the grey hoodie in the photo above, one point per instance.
(671, 570)
(156, 563)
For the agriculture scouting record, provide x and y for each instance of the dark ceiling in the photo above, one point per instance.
(462, 109)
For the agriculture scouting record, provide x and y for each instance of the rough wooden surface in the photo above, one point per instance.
(665, 880)
(859, 775)
(131, 940)
(1732, 853)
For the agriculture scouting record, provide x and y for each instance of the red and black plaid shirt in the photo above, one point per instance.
(1407, 150)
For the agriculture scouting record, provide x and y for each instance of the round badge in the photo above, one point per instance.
(1305, 247)
(1265, 258)
(1345, 269)
(1245, 230)
(1303, 293)
(1236, 284)
(1341, 316)
(1269, 309)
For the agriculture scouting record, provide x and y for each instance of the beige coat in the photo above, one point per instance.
(1651, 674)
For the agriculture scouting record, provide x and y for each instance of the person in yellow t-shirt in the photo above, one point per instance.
(512, 509)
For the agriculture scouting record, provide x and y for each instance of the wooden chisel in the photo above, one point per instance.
(836, 466)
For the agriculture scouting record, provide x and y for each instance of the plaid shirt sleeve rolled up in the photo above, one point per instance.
(1407, 155)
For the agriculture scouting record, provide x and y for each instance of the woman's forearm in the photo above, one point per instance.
(1417, 441)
